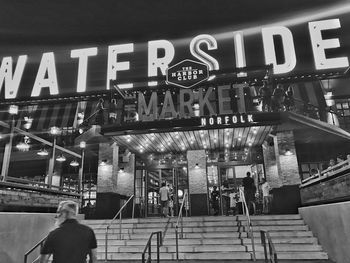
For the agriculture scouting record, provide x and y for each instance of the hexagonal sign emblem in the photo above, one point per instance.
(187, 73)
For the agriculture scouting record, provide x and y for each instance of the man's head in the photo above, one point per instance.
(66, 210)
(215, 187)
(163, 184)
(263, 180)
(248, 174)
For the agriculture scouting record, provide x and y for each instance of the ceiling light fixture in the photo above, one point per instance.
(43, 152)
(61, 158)
(74, 163)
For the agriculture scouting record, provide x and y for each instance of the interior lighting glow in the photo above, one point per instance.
(74, 163)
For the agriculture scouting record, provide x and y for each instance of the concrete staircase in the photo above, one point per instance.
(210, 238)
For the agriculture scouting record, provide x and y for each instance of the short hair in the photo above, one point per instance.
(248, 173)
(163, 184)
(68, 206)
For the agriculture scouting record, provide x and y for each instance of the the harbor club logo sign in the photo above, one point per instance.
(187, 73)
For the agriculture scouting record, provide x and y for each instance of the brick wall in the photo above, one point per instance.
(107, 174)
(197, 175)
(30, 199)
(327, 191)
(271, 168)
(125, 182)
(288, 163)
(281, 169)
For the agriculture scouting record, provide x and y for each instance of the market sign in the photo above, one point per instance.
(187, 73)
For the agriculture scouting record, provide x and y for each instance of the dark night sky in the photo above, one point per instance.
(62, 22)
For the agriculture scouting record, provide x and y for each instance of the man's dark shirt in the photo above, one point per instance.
(248, 183)
(70, 243)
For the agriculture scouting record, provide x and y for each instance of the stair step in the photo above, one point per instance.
(194, 219)
(209, 239)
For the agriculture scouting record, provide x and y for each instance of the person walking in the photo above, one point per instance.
(164, 198)
(71, 242)
(249, 191)
(214, 199)
(265, 188)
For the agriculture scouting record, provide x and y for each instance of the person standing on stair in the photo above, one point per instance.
(265, 188)
(164, 198)
(249, 192)
(71, 242)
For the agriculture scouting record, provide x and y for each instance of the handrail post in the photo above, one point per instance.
(106, 243)
(150, 250)
(177, 243)
(158, 245)
(120, 226)
(263, 242)
(182, 227)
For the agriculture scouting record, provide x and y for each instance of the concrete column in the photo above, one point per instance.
(107, 168)
(125, 178)
(288, 158)
(108, 200)
(197, 181)
(282, 172)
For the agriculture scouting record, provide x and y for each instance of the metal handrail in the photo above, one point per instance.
(149, 247)
(40, 243)
(272, 251)
(249, 222)
(177, 226)
(120, 225)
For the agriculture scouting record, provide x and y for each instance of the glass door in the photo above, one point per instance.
(176, 180)
(153, 185)
(180, 188)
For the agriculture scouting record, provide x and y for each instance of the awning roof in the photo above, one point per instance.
(312, 130)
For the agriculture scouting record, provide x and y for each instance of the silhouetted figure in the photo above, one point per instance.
(99, 119)
(249, 191)
(265, 97)
(289, 99)
(214, 198)
(278, 98)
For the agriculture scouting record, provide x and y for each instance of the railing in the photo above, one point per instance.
(180, 220)
(120, 224)
(40, 243)
(249, 222)
(272, 255)
(329, 172)
(149, 247)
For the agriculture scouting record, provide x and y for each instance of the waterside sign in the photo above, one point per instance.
(298, 46)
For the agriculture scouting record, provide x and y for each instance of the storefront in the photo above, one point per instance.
(117, 120)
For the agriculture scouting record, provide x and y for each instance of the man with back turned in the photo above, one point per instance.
(71, 242)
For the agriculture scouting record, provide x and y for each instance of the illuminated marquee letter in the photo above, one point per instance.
(196, 51)
(113, 66)
(186, 103)
(47, 64)
(224, 100)
(11, 84)
(154, 62)
(288, 48)
(82, 55)
(168, 107)
(149, 112)
(240, 52)
(319, 45)
(204, 101)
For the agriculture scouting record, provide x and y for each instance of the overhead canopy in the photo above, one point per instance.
(311, 130)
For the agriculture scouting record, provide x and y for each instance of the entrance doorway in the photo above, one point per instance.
(176, 180)
(231, 176)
